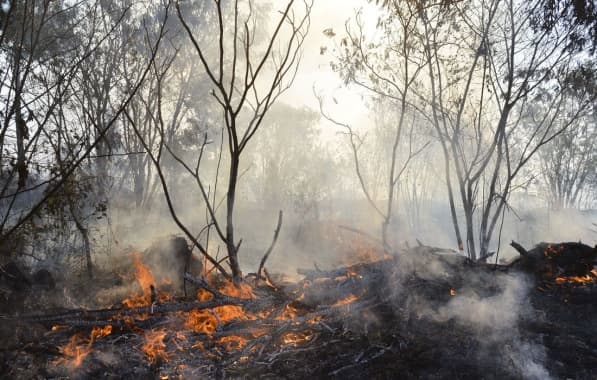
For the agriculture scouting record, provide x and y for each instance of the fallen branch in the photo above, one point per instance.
(160, 308)
(519, 248)
(204, 284)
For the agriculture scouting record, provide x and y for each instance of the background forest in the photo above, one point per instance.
(463, 124)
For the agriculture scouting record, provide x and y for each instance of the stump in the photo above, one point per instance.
(170, 258)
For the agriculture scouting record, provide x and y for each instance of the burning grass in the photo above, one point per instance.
(214, 326)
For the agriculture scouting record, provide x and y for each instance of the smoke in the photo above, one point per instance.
(495, 314)
(495, 320)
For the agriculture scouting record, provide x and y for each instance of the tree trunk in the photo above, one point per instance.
(230, 244)
(21, 128)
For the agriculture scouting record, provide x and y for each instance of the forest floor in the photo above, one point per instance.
(416, 315)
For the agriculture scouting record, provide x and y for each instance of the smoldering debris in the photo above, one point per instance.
(368, 319)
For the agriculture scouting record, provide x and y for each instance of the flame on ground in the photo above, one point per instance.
(589, 278)
(207, 322)
(346, 300)
(75, 351)
(146, 281)
(233, 342)
(297, 337)
(154, 346)
(79, 346)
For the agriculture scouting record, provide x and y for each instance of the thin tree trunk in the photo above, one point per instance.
(230, 244)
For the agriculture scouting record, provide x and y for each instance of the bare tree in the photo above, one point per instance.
(484, 68)
(470, 70)
(245, 81)
(52, 47)
(569, 162)
(366, 63)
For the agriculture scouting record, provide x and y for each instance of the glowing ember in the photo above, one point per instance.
(579, 280)
(346, 300)
(290, 312)
(552, 251)
(452, 292)
(154, 346)
(297, 337)
(100, 332)
(233, 342)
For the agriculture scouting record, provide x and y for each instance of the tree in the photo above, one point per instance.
(479, 65)
(569, 162)
(389, 68)
(245, 81)
(480, 98)
(44, 58)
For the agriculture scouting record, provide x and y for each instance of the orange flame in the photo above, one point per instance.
(290, 312)
(233, 342)
(100, 332)
(146, 281)
(207, 322)
(154, 346)
(75, 351)
(201, 321)
(579, 280)
(346, 300)
(78, 346)
(297, 337)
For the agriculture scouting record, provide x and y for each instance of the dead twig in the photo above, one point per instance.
(519, 248)
(271, 247)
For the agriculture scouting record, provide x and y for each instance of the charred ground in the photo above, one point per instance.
(421, 314)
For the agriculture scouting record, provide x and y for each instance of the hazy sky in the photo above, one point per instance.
(315, 68)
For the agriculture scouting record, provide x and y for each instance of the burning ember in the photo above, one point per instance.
(578, 280)
(297, 338)
(202, 320)
(75, 351)
(341, 322)
(347, 300)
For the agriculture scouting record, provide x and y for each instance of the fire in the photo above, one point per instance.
(233, 342)
(100, 332)
(78, 346)
(143, 274)
(207, 322)
(146, 281)
(290, 312)
(452, 292)
(75, 351)
(346, 300)
(297, 337)
(154, 346)
(579, 280)
(201, 321)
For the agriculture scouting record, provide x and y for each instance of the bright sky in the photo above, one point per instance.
(315, 68)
